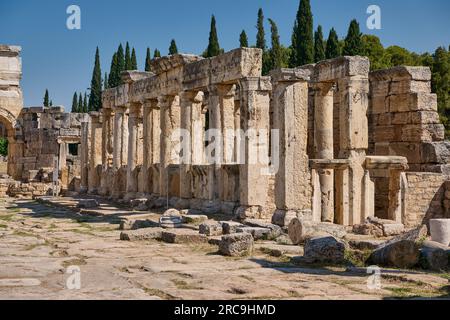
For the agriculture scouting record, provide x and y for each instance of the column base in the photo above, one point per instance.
(248, 212)
(283, 218)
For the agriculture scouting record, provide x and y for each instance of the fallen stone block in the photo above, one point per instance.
(275, 230)
(230, 227)
(416, 235)
(211, 228)
(366, 244)
(172, 218)
(325, 249)
(88, 203)
(141, 234)
(215, 240)
(139, 204)
(440, 231)
(257, 233)
(236, 244)
(434, 256)
(277, 250)
(183, 236)
(400, 254)
(299, 230)
(283, 218)
(194, 218)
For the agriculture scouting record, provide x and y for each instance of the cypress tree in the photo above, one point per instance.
(173, 48)
(332, 50)
(213, 44)
(75, 103)
(260, 36)
(51, 103)
(276, 54)
(85, 104)
(319, 50)
(293, 48)
(127, 57)
(243, 40)
(133, 60)
(80, 104)
(304, 37)
(95, 98)
(46, 99)
(112, 80)
(156, 54)
(353, 42)
(120, 64)
(105, 82)
(148, 66)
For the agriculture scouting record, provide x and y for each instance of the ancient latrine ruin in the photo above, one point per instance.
(333, 141)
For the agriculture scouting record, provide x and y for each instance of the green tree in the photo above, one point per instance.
(127, 57)
(398, 56)
(80, 104)
(293, 47)
(243, 40)
(4, 147)
(332, 49)
(46, 99)
(120, 64)
(374, 50)
(133, 60)
(85, 104)
(304, 37)
(113, 72)
(173, 48)
(353, 42)
(441, 84)
(105, 81)
(157, 54)
(276, 52)
(74, 103)
(260, 35)
(213, 43)
(95, 98)
(148, 59)
(319, 49)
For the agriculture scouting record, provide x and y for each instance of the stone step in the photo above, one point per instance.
(183, 236)
(141, 234)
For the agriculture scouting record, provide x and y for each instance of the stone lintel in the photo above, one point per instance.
(331, 164)
(386, 162)
(401, 73)
(131, 76)
(342, 67)
(290, 75)
(164, 64)
(255, 84)
(9, 51)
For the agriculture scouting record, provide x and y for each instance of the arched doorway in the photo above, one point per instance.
(9, 148)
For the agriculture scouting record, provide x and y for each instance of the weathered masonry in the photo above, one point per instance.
(330, 141)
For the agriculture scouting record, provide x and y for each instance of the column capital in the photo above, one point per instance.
(324, 87)
(222, 90)
(255, 84)
(192, 96)
(120, 109)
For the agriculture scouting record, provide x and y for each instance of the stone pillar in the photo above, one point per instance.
(62, 155)
(353, 140)
(169, 122)
(120, 137)
(293, 178)
(323, 144)
(107, 137)
(84, 157)
(95, 157)
(147, 146)
(253, 173)
(134, 124)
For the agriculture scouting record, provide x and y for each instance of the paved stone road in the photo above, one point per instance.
(40, 244)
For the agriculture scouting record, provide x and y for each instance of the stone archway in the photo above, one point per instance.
(10, 124)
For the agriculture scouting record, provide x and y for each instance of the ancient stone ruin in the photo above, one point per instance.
(330, 142)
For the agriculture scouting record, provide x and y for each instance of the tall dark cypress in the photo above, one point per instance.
(353, 42)
(260, 35)
(133, 60)
(85, 104)
(74, 103)
(156, 54)
(95, 98)
(105, 81)
(293, 48)
(319, 50)
(173, 49)
(112, 80)
(304, 37)
(213, 43)
(276, 54)
(243, 40)
(148, 59)
(332, 50)
(80, 104)
(120, 64)
(46, 99)
(127, 57)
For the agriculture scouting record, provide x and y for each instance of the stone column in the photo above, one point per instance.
(134, 122)
(353, 140)
(95, 158)
(107, 131)
(147, 146)
(84, 157)
(169, 122)
(62, 155)
(293, 178)
(323, 143)
(120, 151)
(253, 174)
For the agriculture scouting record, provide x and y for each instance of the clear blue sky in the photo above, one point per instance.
(62, 60)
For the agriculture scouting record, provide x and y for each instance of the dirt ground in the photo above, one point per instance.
(41, 246)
